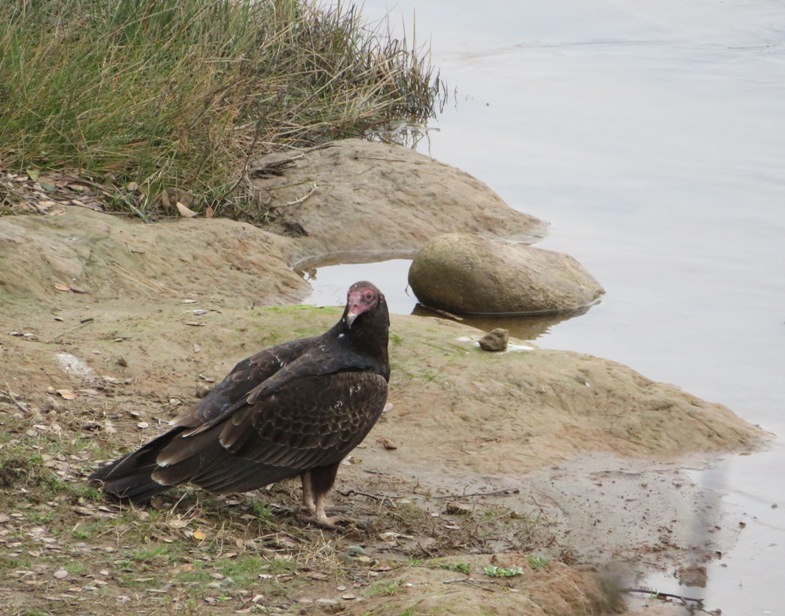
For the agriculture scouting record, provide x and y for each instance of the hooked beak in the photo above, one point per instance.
(350, 317)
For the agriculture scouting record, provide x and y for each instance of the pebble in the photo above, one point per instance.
(326, 602)
(61, 574)
(457, 508)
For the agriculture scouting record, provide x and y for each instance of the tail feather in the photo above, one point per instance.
(218, 471)
(139, 476)
(130, 477)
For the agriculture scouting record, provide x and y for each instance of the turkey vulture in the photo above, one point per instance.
(294, 409)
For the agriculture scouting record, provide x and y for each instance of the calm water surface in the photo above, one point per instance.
(651, 135)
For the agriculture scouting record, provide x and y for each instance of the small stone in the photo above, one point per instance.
(61, 574)
(456, 508)
(348, 596)
(202, 390)
(495, 340)
(121, 361)
(388, 444)
(326, 602)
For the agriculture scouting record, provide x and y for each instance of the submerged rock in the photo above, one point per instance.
(464, 273)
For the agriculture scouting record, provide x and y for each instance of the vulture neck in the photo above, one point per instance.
(368, 336)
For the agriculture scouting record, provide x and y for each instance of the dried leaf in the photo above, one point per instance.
(66, 394)
(62, 287)
(208, 212)
(199, 535)
(184, 211)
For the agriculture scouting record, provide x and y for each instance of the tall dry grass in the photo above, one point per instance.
(159, 94)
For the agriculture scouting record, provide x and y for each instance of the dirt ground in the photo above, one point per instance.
(525, 482)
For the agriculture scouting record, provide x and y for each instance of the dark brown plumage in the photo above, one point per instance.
(294, 409)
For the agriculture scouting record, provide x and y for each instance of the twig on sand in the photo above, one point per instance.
(68, 331)
(472, 582)
(11, 398)
(504, 492)
(692, 603)
(379, 499)
(311, 190)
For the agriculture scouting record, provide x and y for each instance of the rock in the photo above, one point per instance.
(456, 508)
(468, 274)
(375, 198)
(326, 602)
(495, 340)
(220, 260)
(387, 443)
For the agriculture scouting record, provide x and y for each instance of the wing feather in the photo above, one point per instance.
(311, 421)
(305, 423)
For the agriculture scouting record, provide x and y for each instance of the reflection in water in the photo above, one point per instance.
(307, 268)
(329, 281)
(522, 327)
(329, 277)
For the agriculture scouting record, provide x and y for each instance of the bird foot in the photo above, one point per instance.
(334, 522)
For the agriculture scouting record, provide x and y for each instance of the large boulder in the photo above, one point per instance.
(363, 200)
(467, 274)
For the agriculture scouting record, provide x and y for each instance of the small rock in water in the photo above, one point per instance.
(495, 340)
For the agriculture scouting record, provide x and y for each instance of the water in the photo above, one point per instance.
(651, 135)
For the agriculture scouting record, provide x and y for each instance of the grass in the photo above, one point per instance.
(384, 588)
(150, 100)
